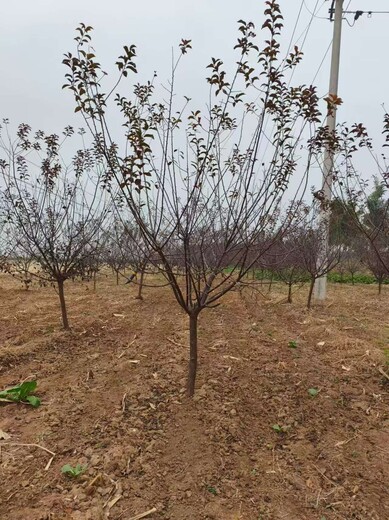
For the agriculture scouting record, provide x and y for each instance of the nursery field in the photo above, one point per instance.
(290, 419)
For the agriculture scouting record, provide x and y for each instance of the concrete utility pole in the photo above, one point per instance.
(321, 283)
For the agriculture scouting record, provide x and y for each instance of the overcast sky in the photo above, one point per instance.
(34, 35)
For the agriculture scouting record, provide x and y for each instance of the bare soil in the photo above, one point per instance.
(113, 399)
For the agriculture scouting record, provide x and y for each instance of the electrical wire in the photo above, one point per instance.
(322, 61)
(305, 34)
(313, 13)
(365, 12)
(295, 26)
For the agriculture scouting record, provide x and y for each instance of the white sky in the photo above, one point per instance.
(34, 35)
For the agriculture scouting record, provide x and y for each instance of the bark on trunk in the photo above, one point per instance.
(94, 280)
(271, 283)
(117, 277)
(63, 305)
(290, 293)
(193, 318)
(311, 286)
(140, 287)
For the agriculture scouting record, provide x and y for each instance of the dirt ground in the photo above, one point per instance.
(113, 399)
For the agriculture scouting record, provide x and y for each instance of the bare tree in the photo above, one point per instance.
(352, 257)
(20, 266)
(376, 258)
(363, 202)
(55, 211)
(116, 251)
(370, 213)
(307, 240)
(140, 256)
(286, 262)
(204, 186)
(93, 263)
(4, 241)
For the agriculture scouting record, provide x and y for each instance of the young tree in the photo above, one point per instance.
(352, 255)
(204, 186)
(365, 205)
(20, 266)
(4, 242)
(55, 211)
(116, 253)
(286, 262)
(369, 212)
(92, 264)
(308, 239)
(139, 256)
(377, 259)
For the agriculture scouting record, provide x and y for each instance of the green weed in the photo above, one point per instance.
(71, 471)
(21, 394)
(279, 429)
(211, 490)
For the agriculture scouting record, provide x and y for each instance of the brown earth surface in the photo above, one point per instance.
(113, 399)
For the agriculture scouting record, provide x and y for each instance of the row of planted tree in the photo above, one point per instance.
(203, 197)
(45, 253)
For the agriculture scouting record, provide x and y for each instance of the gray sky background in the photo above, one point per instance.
(34, 35)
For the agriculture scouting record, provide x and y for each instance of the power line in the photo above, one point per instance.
(304, 34)
(313, 14)
(357, 13)
(369, 13)
(295, 27)
(308, 27)
(322, 61)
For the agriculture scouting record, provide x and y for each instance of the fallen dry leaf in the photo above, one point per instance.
(4, 435)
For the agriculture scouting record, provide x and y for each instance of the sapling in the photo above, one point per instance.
(73, 471)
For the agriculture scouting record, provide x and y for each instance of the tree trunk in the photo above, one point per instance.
(140, 286)
(192, 353)
(63, 304)
(379, 286)
(352, 278)
(311, 286)
(117, 277)
(290, 293)
(271, 282)
(94, 280)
